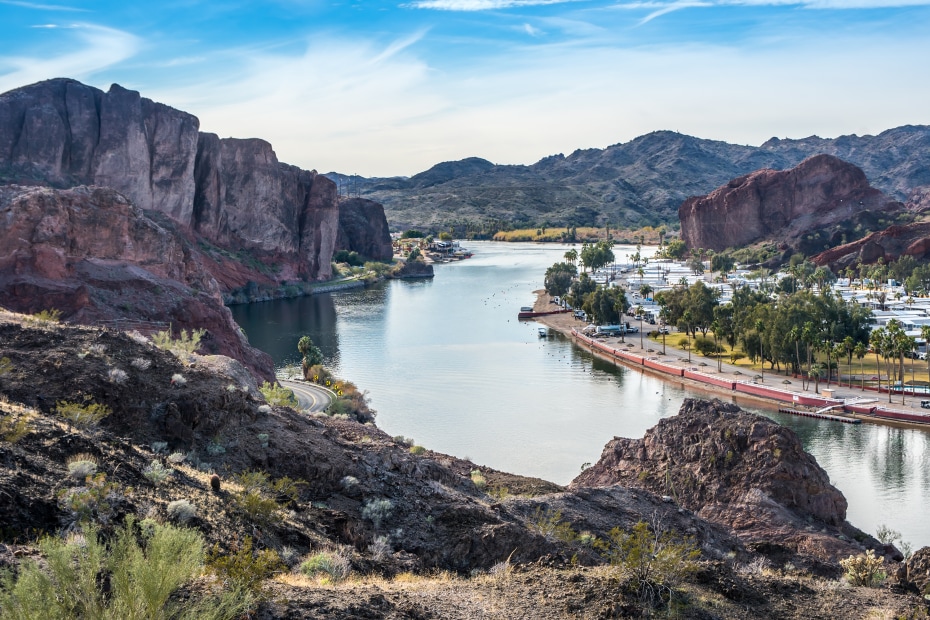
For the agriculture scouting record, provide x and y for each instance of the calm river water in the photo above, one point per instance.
(447, 363)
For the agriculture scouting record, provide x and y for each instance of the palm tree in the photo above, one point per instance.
(859, 351)
(571, 256)
(877, 340)
(639, 310)
(848, 345)
(925, 334)
(645, 290)
(760, 327)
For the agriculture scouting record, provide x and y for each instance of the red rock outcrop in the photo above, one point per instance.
(888, 245)
(780, 205)
(736, 469)
(235, 193)
(93, 255)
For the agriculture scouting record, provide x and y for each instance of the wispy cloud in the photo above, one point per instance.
(532, 31)
(480, 5)
(43, 7)
(88, 49)
(658, 9)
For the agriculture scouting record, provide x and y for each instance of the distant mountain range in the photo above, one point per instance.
(640, 182)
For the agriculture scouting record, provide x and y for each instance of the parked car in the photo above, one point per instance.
(663, 330)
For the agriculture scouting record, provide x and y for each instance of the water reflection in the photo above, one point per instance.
(446, 362)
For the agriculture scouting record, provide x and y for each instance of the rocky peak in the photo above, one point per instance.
(233, 192)
(736, 469)
(820, 192)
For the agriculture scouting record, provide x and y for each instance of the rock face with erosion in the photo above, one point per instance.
(97, 258)
(234, 193)
(815, 205)
(363, 229)
(736, 469)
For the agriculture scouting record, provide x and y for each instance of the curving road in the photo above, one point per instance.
(310, 396)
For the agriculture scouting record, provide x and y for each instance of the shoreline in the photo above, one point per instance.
(633, 356)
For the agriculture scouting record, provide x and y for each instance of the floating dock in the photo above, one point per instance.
(821, 416)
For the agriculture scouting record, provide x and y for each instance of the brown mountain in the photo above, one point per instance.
(817, 204)
(642, 181)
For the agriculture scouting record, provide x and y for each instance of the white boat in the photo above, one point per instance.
(543, 332)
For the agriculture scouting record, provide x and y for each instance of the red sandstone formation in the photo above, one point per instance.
(818, 193)
(96, 257)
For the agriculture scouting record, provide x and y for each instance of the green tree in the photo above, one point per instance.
(606, 305)
(312, 354)
(558, 280)
(675, 249)
(596, 255)
(580, 289)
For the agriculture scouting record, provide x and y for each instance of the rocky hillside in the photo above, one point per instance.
(642, 181)
(888, 245)
(233, 193)
(93, 256)
(514, 547)
(820, 203)
(740, 470)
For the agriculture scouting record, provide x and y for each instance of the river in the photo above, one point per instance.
(446, 362)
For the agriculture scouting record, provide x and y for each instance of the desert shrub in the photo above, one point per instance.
(478, 479)
(97, 349)
(186, 342)
(245, 567)
(216, 447)
(417, 450)
(181, 510)
(176, 458)
(380, 548)
(139, 578)
(348, 482)
(377, 510)
(177, 379)
(140, 363)
(864, 569)
(80, 466)
(117, 375)
(264, 408)
(263, 439)
(52, 315)
(329, 565)
(158, 446)
(549, 523)
(14, 427)
(6, 366)
(91, 502)
(886, 535)
(85, 415)
(277, 394)
(262, 499)
(156, 473)
(404, 441)
(654, 561)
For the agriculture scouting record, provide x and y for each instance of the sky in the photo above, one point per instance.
(385, 88)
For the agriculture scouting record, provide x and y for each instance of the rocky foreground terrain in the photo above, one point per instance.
(421, 534)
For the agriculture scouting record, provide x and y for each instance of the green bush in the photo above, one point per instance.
(864, 569)
(140, 578)
(48, 316)
(156, 472)
(331, 565)
(549, 523)
(91, 502)
(186, 342)
(478, 479)
(245, 567)
(707, 347)
(181, 510)
(377, 510)
(84, 415)
(262, 499)
(277, 394)
(80, 466)
(14, 427)
(653, 561)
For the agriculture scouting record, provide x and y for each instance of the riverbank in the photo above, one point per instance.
(728, 381)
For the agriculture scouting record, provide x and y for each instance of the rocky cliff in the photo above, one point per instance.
(736, 469)
(97, 258)
(822, 196)
(363, 229)
(234, 193)
(888, 245)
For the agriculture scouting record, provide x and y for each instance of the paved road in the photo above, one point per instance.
(310, 397)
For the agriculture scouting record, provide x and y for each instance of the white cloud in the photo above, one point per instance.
(663, 8)
(348, 106)
(43, 7)
(96, 48)
(479, 5)
(530, 30)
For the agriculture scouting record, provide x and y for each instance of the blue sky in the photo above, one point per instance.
(390, 88)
